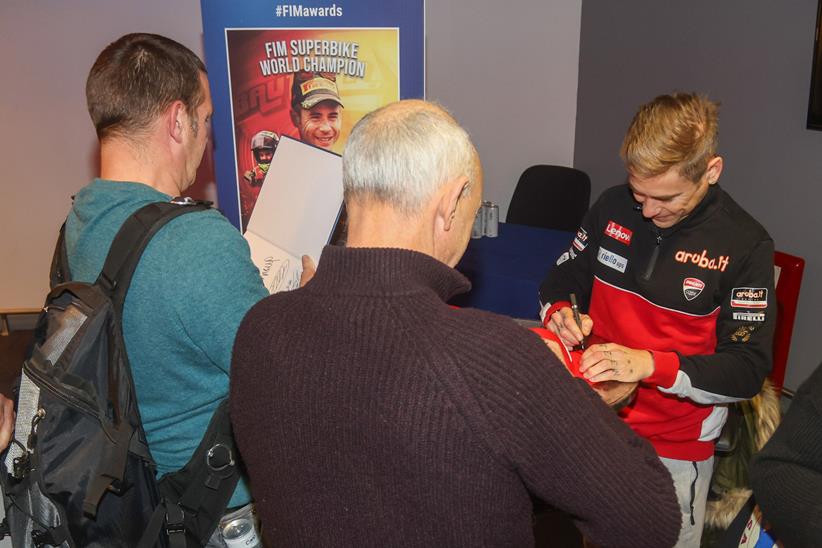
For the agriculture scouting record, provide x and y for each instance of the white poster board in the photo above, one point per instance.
(295, 213)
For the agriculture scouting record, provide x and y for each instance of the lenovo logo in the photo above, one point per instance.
(618, 233)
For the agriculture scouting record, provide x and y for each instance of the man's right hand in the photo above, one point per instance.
(6, 421)
(309, 268)
(562, 323)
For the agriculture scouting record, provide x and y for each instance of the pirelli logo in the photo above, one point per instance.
(749, 297)
(750, 316)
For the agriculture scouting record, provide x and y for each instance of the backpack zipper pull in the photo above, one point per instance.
(21, 466)
(35, 420)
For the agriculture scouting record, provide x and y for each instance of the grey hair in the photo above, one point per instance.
(402, 153)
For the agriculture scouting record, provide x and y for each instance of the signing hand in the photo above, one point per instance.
(613, 362)
(565, 327)
(308, 270)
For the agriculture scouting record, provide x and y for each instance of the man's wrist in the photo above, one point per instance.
(665, 368)
(548, 309)
(650, 370)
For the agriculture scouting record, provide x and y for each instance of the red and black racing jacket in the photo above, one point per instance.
(698, 295)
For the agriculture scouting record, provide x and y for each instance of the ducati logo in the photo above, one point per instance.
(692, 287)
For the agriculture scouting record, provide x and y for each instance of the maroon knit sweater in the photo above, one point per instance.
(370, 413)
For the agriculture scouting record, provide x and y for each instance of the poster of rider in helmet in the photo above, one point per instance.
(263, 144)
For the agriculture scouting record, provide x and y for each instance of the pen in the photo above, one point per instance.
(575, 310)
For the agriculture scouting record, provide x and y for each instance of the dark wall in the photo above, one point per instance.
(754, 56)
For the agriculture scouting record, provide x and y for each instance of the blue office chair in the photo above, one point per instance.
(550, 197)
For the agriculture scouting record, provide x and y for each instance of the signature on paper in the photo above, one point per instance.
(280, 275)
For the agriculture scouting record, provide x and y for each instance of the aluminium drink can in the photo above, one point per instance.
(240, 533)
(479, 223)
(491, 220)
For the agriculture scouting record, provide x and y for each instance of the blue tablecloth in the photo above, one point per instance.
(506, 271)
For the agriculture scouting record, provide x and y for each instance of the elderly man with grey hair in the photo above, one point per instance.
(371, 413)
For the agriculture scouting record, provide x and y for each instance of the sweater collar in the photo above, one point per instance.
(384, 271)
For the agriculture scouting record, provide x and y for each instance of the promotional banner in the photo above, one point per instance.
(308, 71)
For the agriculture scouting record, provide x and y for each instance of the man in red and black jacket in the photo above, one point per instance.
(679, 279)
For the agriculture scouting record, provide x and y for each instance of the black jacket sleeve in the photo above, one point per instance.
(786, 476)
(744, 349)
(573, 272)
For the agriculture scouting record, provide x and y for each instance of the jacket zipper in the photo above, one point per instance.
(654, 255)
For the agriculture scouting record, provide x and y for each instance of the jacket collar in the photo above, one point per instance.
(703, 210)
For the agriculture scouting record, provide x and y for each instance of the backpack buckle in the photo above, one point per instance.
(21, 466)
(175, 519)
(175, 528)
(188, 201)
(183, 200)
(54, 536)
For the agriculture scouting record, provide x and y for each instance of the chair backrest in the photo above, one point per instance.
(550, 197)
(788, 270)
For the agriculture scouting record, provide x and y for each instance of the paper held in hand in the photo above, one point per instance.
(295, 215)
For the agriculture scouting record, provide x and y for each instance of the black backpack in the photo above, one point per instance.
(79, 471)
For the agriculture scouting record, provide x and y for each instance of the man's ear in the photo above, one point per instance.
(449, 200)
(175, 117)
(295, 118)
(714, 169)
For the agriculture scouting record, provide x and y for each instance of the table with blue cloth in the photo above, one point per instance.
(506, 271)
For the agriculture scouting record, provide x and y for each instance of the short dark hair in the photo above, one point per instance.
(137, 77)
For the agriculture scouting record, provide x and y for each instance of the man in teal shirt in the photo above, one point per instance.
(149, 99)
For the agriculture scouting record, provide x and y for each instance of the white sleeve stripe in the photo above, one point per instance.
(713, 423)
(682, 387)
(543, 311)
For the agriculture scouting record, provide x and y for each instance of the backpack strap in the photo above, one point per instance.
(172, 516)
(132, 239)
(114, 279)
(214, 471)
(59, 272)
(195, 497)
